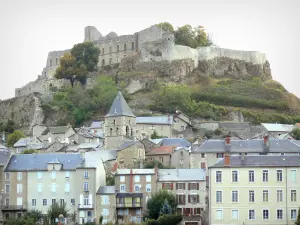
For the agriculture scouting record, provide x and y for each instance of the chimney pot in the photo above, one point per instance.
(227, 160)
(227, 140)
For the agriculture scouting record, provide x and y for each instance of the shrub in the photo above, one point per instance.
(169, 219)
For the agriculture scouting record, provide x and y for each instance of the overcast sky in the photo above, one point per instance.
(32, 28)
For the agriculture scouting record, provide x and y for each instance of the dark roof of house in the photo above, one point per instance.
(165, 120)
(129, 194)
(23, 142)
(38, 162)
(255, 145)
(260, 161)
(181, 174)
(97, 124)
(59, 129)
(108, 190)
(4, 157)
(120, 107)
(127, 144)
(178, 142)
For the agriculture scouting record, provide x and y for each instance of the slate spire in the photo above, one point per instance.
(119, 107)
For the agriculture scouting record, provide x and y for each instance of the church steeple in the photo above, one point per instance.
(119, 107)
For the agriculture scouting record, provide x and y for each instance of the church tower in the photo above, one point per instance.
(120, 124)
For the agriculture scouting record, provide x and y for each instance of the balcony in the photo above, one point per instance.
(13, 208)
(90, 206)
(192, 218)
(129, 205)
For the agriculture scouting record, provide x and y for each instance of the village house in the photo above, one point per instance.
(261, 189)
(131, 154)
(189, 187)
(39, 180)
(212, 151)
(133, 189)
(29, 143)
(61, 134)
(4, 186)
(106, 200)
(277, 131)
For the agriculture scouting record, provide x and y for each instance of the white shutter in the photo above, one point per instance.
(81, 200)
(90, 200)
(19, 201)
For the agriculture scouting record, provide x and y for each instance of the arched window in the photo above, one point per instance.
(110, 132)
(127, 131)
(131, 132)
(114, 122)
(117, 130)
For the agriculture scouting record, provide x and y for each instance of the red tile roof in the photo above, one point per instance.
(162, 150)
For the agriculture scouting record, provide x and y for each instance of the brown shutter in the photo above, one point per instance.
(197, 186)
(184, 200)
(189, 186)
(177, 199)
(189, 198)
(183, 186)
(171, 186)
(203, 165)
(197, 198)
(176, 186)
(163, 185)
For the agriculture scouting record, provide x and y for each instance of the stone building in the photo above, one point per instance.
(120, 124)
(189, 186)
(5, 185)
(106, 200)
(261, 189)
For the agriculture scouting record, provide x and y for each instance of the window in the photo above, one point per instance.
(85, 186)
(19, 201)
(293, 196)
(53, 201)
(7, 188)
(161, 159)
(125, 47)
(293, 175)
(220, 155)
(137, 178)
(251, 214)
(62, 201)
(181, 199)
(251, 196)
(19, 176)
(293, 214)
(251, 175)
(56, 61)
(169, 186)
(7, 176)
(193, 186)
(73, 201)
(219, 196)
(67, 174)
(136, 188)
(152, 127)
(122, 178)
(50, 62)
(86, 174)
(148, 178)
(234, 214)
(19, 188)
(279, 196)
(105, 212)
(279, 214)
(234, 176)
(202, 155)
(102, 51)
(110, 61)
(218, 176)
(148, 187)
(53, 174)
(265, 214)
(67, 187)
(122, 188)
(193, 198)
(235, 196)
(39, 175)
(33, 202)
(118, 48)
(86, 201)
(53, 167)
(110, 50)
(7, 201)
(265, 196)
(265, 175)
(39, 187)
(132, 45)
(44, 201)
(219, 213)
(180, 186)
(279, 175)
(53, 187)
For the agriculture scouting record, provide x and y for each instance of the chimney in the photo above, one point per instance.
(243, 156)
(266, 144)
(227, 143)
(227, 160)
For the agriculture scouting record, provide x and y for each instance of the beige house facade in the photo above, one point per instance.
(106, 202)
(254, 190)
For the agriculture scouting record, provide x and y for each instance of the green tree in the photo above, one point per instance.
(32, 217)
(296, 133)
(55, 210)
(14, 137)
(156, 202)
(166, 26)
(154, 135)
(166, 208)
(169, 219)
(29, 151)
(153, 164)
(298, 218)
(110, 180)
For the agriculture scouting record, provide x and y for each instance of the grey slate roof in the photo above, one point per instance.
(255, 145)
(261, 161)
(273, 127)
(4, 157)
(59, 129)
(120, 107)
(135, 171)
(181, 175)
(178, 142)
(54, 161)
(107, 190)
(38, 162)
(127, 144)
(166, 120)
(97, 124)
(23, 142)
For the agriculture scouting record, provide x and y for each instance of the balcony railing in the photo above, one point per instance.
(89, 206)
(191, 218)
(13, 207)
(129, 205)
